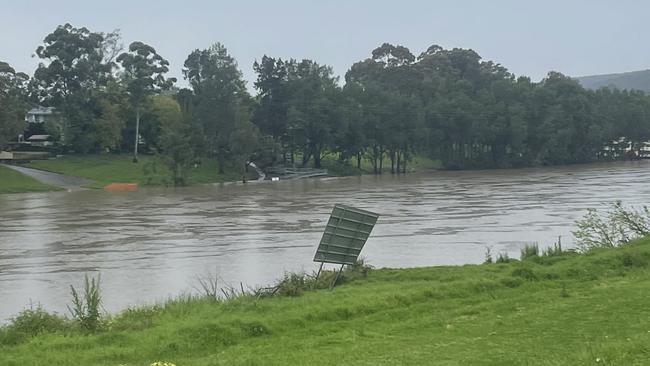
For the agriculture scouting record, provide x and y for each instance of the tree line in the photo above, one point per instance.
(448, 104)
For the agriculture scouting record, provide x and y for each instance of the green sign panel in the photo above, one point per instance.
(347, 231)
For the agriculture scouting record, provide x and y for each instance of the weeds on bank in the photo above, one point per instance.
(30, 323)
(504, 258)
(291, 284)
(529, 250)
(85, 307)
(85, 312)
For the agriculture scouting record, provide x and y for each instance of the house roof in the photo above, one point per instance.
(38, 137)
(42, 111)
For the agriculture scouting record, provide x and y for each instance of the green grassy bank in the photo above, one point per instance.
(106, 169)
(566, 309)
(12, 181)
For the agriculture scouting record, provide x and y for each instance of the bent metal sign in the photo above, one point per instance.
(346, 233)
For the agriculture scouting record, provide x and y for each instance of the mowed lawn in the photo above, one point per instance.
(571, 309)
(150, 171)
(106, 169)
(12, 181)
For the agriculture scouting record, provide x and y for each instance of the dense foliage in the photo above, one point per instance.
(448, 104)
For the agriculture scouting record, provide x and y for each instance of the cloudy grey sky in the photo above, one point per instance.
(529, 37)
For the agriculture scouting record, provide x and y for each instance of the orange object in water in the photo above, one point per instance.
(121, 187)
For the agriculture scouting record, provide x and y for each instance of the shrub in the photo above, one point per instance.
(618, 226)
(294, 284)
(86, 309)
(29, 323)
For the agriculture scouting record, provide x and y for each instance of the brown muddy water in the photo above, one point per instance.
(151, 244)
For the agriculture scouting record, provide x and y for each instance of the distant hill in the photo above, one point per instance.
(637, 80)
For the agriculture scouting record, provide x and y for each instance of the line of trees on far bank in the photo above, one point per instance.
(448, 104)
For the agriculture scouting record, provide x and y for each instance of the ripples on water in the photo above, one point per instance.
(150, 244)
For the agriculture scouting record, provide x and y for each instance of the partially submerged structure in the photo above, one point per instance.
(624, 148)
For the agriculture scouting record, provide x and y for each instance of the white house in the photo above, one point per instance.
(43, 121)
(42, 115)
(40, 140)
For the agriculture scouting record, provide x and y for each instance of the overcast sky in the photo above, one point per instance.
(528, 37)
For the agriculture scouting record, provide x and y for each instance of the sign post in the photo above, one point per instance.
(346, 233)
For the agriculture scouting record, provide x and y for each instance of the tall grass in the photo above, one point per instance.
(503, 258)
(554, 250)
(529, 250)
(86, 306)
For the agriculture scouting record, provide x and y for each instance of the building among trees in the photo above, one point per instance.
(44, 122)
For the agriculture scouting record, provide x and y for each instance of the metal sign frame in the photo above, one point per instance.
(347, 231)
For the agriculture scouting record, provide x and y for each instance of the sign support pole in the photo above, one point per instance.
(337, 277)
(318, 274)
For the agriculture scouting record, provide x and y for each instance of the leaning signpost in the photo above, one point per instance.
(346, 233)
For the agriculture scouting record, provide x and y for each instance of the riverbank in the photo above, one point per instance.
(107, 169)
(566, 309)
(12, 181)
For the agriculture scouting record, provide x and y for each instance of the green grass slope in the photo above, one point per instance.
(635, 80)
(12, 181)
(572, 309)
(106, 169)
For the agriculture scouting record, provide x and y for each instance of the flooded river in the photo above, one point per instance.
(151, 244)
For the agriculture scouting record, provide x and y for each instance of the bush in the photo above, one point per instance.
(29, 323)
(618, 226)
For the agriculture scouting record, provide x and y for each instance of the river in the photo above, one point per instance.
(150, 244)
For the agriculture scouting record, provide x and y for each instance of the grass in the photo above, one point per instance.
(106, 169)
(334, 167)
(565, 309)
(12, 181)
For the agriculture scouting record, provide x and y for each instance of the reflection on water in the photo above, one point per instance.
(150, 244)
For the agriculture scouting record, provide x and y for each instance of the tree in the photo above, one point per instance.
(12, 103)
(110, 123)
(221, 105)
(76, 67)
(144, 71)
(314, 109)
(174, 136)
(390, 81)
(271, 115)
(76, 62)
